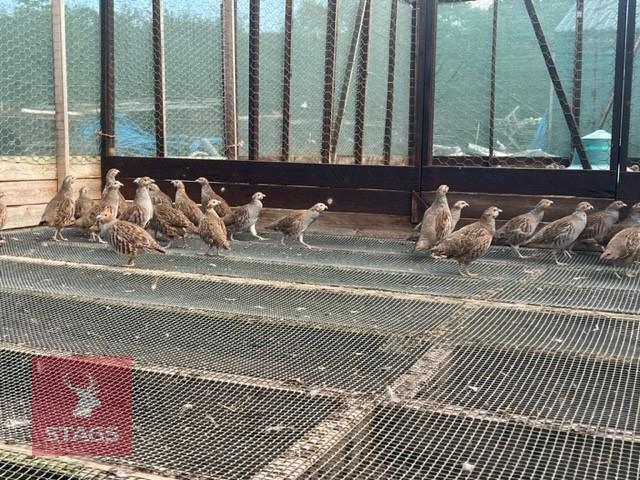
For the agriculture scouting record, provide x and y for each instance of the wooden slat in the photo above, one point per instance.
(20, 168)
(24, 216)
(41, 191)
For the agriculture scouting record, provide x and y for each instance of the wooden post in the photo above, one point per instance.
(60, 90)
(229, 67)
(158, 77)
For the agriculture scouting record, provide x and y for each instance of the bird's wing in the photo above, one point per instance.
(237, 216)
(290, 225)
(459, 243)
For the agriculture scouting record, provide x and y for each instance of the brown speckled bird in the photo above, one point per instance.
(624, 249)
(212, 229)
(207, 194)
(561, 234)
(141, 212)
(158, 196)
(108, 203)
(456, 213)
(3, 216)
(632, 220)
(470, 242)
(186, 205)
(599, 223)
(172, 223)
(295, 224)
(126, 238)
(436, 222)
(521, 228)
(245, 217)
(60, 211)
(83, 202)
(110, 179)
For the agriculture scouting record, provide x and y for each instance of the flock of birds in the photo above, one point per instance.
(126, 226)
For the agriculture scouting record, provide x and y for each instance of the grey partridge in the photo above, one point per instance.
(212, 230)
(83, 203)
(109, 202)
(599, 223)
(470, 242)
(186, 205)
(141, 212)
(521, 228)
(109, 180)
(60, 211)
(456, 213)
(624, 249)
(172, 223)
(436, 222)
(126, 238)
(296, 223)
(245, 217)
(562, 233)
(207, 194)
(632, 220)
(158, 196)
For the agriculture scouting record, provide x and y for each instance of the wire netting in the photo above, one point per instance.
(281, 362)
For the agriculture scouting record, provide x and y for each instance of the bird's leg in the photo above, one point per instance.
(254, 233)
(168, 245)
(631, 274)
(132, 260)
(61, 237)
(517, 250)
(184, 242)
(461, 270)
(618, 276)
(282, 241)
(55, 236)
(99, 238)
(555, 257)
(568, 252)
(301, 240)
(231, 236)
(217, 251)
(469, 274)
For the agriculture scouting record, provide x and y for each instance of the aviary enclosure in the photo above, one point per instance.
(359, 357)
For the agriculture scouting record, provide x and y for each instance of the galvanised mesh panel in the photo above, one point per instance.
(400, 443)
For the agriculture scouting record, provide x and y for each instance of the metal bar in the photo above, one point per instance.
(361, 87)
(425, 80)
(158, 77)
(576, 141)
(492, 93)
(60, 89)
(107, 91)
(577, 61)
(329, 69)
(229, 79)
(622, 158)
(254, 79)
(348, 76)
(391, 73)
(615, 104)
(286, 79)
(412, 84)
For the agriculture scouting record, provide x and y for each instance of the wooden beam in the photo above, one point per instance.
(60, 89)
(28, 168)
(229, 78)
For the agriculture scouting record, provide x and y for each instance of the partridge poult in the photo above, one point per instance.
(83, 202)
(521, 228)
(3, 216)
(158, 196)
(436, 222)
(456, 213)
(295, 224)
(599, 224)
(109, 202)
(245, 217)
(624, 249)
(172, 223)
(212, 229)
(207, 194)
(141, 212)
(186, 205)
(562, 233)
(470, 242)
(126, 238)
(60, 211)
(632, 220)
(109, 180)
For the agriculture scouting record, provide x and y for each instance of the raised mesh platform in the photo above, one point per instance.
(355, 361)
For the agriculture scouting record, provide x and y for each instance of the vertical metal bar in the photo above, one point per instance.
(425, 81)
(348, 76)
(412, 84)
(630, 51)
(391, 74)
(492, 93)
(60, 89)
(329, 68)
(107, 90)
(576, 141)
(229, 78)
(361, 86)
(286, 80)
(158, 77)
(577, 61)
(616, 99)
(254, 79)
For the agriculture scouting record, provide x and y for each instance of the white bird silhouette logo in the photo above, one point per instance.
(87, 397)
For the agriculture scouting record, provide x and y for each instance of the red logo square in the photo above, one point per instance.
(82, 406)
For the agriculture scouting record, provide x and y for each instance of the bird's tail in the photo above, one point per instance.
(157, 248)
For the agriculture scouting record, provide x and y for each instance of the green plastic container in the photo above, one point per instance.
(598, 147)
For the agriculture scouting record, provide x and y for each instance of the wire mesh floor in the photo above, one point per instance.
(356, 360)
